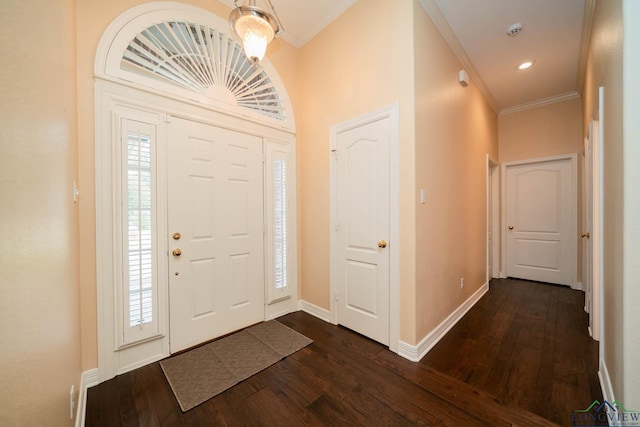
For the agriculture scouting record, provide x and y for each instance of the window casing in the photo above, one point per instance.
(278, 191)
(138, 231)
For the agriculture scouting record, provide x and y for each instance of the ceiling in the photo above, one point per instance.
(476, 30)
(551, 37)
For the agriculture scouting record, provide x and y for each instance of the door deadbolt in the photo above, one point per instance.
(511, 227)
(176, 236)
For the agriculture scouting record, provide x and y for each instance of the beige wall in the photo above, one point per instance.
(455, 130)
(39, 315)
(359, 63)
(94, 16)
(550, 130)
(612, 63)
(604, 68)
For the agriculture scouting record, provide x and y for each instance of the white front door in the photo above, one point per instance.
(362, 203)
(215, 217)
(541, 217)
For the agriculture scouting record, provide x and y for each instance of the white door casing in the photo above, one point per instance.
(362, 230)
(216, 281)
(540, 219)
(587, 250)
(592, 256)
(493, 231)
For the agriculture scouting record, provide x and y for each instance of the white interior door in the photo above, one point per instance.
(541, 218)
(362, 202)
(216, 274)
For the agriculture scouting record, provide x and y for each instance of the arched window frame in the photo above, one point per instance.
(127, 26)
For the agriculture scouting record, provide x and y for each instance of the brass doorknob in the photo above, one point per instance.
(511, 227)
(176, 252)
(382, 244)
(176, 236)
(587, 235)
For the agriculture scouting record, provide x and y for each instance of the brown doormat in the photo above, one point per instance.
(199, 374)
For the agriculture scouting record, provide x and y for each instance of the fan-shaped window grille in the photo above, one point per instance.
(202, 59)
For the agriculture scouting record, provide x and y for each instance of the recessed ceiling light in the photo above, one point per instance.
(525, 65)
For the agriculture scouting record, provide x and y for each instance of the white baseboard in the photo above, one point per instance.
(87, 379)
(314, 310)
(605, 383)
(417, 352)
(577, 286)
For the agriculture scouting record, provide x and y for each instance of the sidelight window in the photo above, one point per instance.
(138, 208)
(279, 190)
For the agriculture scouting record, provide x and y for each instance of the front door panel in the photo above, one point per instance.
(215, 204)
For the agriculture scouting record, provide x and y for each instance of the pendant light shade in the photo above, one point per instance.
(256, 27)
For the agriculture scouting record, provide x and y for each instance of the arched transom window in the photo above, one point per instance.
(192, 54)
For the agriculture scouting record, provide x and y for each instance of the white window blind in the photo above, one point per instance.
(139, 229)
(280, 222)
(279, 194)
(138, 204)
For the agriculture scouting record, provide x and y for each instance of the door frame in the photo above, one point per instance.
(596, 136)
(391, 112)
(573, 158)
(493, 218)
(114, 100)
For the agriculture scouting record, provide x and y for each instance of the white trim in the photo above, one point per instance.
(577, 286)
(433, 10)
(314, 310)
(539, 103)
(597, 224)
(492, 216)
(417, 352)
(87, 379)
(605, 382)
(392, 112)
(573, 157)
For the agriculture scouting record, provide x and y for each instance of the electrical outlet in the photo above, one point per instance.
(462, 283)
(72, 401)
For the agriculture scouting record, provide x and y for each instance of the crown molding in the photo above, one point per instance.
(539, 103)
(438, 18)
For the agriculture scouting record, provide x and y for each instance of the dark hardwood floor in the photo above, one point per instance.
(526, 343)
(521, 356)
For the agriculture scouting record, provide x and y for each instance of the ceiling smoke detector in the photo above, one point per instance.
(514, 30)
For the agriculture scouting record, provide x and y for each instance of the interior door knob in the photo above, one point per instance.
(511, 227)
(587, 235)
(382, 244)
(177, 252)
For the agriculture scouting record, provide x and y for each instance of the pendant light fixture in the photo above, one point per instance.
(256, 27)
